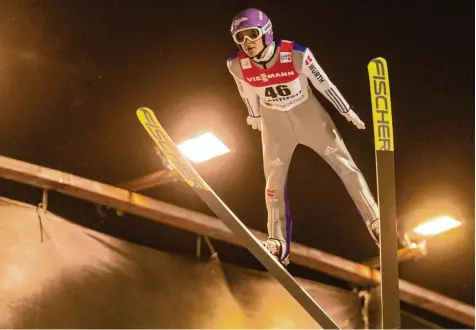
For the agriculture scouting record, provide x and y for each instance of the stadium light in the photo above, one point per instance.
(202, 148)
(437, 226)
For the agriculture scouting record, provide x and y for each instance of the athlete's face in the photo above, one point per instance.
(253, 48)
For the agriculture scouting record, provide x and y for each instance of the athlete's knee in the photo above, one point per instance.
(352, 175)
(276, 174)
(344, 165)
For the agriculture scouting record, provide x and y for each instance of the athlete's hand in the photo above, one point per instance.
(352, 116)
(254, 122)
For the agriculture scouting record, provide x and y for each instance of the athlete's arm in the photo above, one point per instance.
(320, 80)
(250, 98)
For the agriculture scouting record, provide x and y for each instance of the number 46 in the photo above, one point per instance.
(280, 90)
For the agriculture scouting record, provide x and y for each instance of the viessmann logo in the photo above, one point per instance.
(265, 77)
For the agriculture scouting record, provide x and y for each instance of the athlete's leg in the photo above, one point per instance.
(279, 142)
(316, 129)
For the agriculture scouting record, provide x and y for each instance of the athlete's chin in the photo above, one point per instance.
(251, 52)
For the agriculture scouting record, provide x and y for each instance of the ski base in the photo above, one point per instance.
(384, 154)
(194, 180)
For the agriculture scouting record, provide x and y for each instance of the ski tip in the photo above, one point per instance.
(143, 109)
(378, 59)
(144, 112)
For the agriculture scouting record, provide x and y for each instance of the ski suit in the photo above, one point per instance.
(279, 93)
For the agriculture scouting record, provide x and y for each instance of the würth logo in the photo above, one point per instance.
(270, 192)
(308, 60)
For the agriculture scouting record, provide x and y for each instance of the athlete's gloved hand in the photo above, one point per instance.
(352, 116)
(254, 122)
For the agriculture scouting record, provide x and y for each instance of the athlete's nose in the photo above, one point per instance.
(248, 41)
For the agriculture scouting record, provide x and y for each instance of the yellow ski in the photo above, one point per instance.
(384, 154)
(193, 179)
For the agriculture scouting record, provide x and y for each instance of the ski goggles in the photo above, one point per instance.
(252, 34)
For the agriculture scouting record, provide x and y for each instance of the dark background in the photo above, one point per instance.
(72, 74)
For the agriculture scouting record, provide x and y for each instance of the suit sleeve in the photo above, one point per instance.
(250, 98)
(319, 79)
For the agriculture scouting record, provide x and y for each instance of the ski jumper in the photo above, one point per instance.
(290, 115)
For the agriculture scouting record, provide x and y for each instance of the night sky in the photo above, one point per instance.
(72, 74)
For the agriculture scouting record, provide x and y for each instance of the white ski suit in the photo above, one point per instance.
(280, 103)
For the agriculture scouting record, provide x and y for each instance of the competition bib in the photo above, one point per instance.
(278, 87)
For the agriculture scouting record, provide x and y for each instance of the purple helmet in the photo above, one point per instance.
(253, 18)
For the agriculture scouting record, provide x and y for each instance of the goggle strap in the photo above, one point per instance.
(267, 27)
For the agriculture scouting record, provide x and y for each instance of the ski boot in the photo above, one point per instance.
(275, 247)
(374, 230)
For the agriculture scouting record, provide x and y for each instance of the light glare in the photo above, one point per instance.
(437, 226)
(202, 148)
